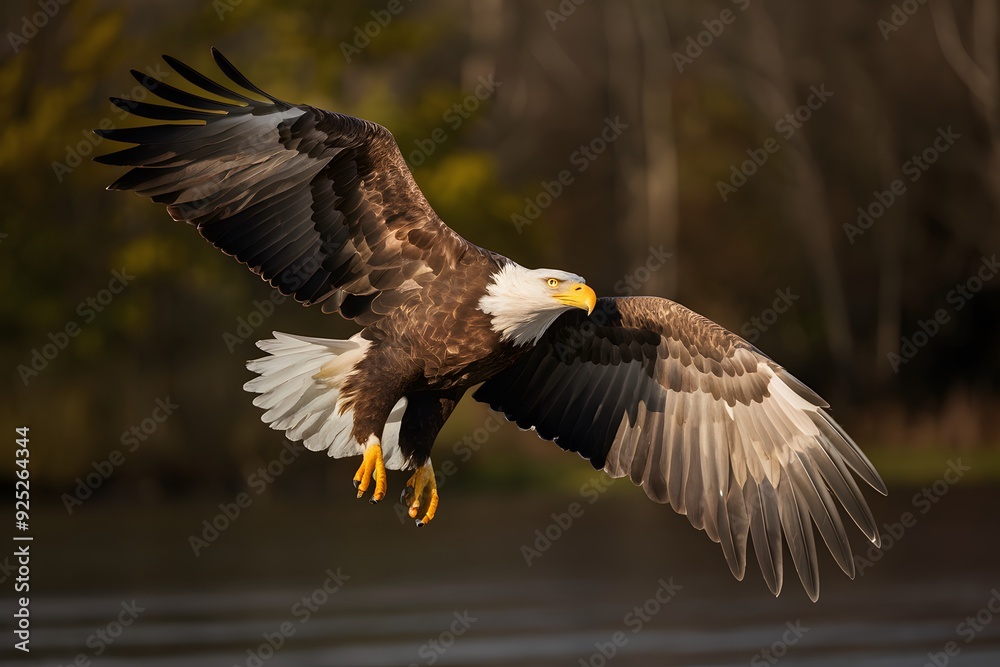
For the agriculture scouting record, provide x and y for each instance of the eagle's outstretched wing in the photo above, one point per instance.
(320, 204)
(647, 389)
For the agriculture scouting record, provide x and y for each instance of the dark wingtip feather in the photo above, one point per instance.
(158, 112)
(151, 134)
(197, 78)
(170, 60)
(182, 97)
(115, 187)
(238, 78)
(145, 79)
(108, 159)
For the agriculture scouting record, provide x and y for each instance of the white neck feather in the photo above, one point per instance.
(520, 304)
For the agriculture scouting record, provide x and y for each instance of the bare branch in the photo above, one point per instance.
(656, 100)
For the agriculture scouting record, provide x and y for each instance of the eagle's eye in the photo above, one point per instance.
(553, 282)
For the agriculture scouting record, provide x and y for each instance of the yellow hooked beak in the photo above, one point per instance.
(578, 295)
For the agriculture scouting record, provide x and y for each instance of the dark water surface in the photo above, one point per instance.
(625, 583)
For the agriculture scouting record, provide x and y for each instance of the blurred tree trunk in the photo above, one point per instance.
(485, 32)
(771, 86)
(639, 87)
(623, 82)
(881, 133)
(661, 150)
(978, 70)
(890, 270)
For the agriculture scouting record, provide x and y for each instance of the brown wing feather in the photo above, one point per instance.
(320, 204)
(700, 419)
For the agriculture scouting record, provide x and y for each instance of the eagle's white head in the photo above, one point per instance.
(525, 302)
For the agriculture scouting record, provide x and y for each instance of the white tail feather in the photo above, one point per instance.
(300, 390)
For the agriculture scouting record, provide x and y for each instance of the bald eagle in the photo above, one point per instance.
(323, 207)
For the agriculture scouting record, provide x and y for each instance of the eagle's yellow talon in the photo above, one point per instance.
(432, 506)
(372, 467)
(421, 491)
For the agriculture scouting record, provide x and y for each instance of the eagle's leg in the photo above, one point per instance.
(420, 493)
(372, 467)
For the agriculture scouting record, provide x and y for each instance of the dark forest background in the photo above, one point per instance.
(823, 178)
